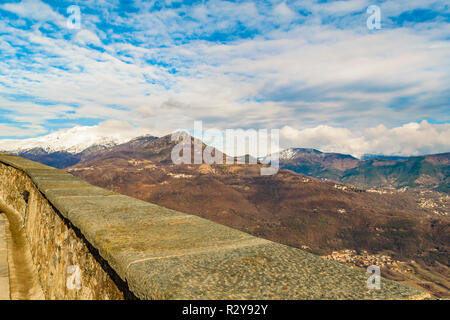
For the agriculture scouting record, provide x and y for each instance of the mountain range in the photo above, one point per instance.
(67, 147)
(429, 172)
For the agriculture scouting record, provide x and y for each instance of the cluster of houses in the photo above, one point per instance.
(363, 259)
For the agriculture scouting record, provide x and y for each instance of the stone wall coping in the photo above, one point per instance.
(165, 254)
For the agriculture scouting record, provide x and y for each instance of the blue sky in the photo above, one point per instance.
(310, 68)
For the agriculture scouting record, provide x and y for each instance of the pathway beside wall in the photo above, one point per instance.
(4, 272)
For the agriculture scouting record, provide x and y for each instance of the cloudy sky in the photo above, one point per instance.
(310, 68)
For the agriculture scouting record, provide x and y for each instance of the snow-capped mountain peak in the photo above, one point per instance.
(287, 154)
(76, 139)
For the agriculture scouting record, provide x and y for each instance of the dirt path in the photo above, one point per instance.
(4, 270)
(23, 282)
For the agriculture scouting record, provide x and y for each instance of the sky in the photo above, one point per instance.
(311, 68)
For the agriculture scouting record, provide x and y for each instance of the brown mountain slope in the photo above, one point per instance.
(287, 208)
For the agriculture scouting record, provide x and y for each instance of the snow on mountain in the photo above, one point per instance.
(76, 139)
(291, 153)
(287, 154)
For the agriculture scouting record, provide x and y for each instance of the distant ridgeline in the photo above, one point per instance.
(429, 172)
(89, 243)
(426, 172)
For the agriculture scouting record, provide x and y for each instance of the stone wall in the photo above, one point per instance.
(53, 242)
(120, 247)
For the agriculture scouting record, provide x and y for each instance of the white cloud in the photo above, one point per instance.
(87, 37)
(306, 77)
(15, 131)
(35, 10)
(343, 7)
(283, 11)
(410, 139)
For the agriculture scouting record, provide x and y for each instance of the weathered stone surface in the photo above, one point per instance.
(165, 254)
(48, 182)
(22, 163)
(261, 271)
(132, 229)
(81, 191)
(44, 171)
